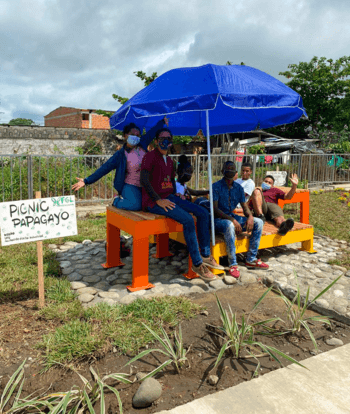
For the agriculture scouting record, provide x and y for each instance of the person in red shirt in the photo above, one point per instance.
(158, 197)
(265, 203)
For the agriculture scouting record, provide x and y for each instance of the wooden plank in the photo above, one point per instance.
(144, 215)
(125, 213)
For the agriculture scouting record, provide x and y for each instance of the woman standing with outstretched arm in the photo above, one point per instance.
(127, 163)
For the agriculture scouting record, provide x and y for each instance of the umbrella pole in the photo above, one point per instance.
(210, 181)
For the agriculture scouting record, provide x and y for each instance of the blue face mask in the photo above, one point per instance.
(133, 140)
(165, 144)
(265, 186)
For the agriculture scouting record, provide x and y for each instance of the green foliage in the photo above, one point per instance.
(92, 146)
(52, 175)
(176, 353)
(296, 310)
(238, 338)
(256, 149)
(324, 86)
(120, 99)
(77, 400)
(146, 79)
(229, 63)
(21, 121)
(301, 184)
(335, 141)
(186, 139)
(97, 328)
(105, 113)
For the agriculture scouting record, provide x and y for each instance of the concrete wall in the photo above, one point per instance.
(51, 140)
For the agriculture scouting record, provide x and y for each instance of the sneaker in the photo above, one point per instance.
(285, 227)
(257, 264)
(234, 272)
(210, 262)
(204, 273)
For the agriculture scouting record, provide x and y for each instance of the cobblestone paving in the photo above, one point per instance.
(81, 264)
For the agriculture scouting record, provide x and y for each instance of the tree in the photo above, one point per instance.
(229, 63)
(324, 86)
(21, 121)
(146, 80)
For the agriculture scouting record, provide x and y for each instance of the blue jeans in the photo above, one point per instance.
(227, 228)
(180, 213)
(132, 198)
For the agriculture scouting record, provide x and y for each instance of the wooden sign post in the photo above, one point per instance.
(39, 248)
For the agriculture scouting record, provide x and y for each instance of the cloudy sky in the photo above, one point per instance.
(77, 53)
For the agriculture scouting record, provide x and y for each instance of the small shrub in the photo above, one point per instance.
(296, 310)
(176, 353)
(240, 337)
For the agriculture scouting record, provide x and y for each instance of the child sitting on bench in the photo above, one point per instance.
(184, 175)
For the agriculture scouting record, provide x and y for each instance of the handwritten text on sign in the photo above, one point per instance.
(39, 219)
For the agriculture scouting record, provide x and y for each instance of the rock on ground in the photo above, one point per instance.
(148, 392)
(334, 341)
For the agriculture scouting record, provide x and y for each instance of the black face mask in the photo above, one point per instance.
(229, 174)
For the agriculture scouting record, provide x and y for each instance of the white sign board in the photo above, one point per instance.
(39, 219)
(280, 178)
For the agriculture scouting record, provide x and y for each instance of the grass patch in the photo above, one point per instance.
(343, 261)
(329, 215)
(19, 265)
(95, 330)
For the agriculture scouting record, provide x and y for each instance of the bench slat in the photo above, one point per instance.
(125, 213)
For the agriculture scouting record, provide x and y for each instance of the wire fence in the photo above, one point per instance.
(54, 175)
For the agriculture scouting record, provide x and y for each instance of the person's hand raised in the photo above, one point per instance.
(80, 184)
(294, 179)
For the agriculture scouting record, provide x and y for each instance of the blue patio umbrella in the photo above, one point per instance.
(226, 99)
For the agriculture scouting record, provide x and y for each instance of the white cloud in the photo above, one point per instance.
(77, 53)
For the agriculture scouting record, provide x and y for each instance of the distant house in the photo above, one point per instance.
(66, 117)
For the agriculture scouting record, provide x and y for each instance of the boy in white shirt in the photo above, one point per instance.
(246, 182)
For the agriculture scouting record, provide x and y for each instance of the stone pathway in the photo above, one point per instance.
(81, 264)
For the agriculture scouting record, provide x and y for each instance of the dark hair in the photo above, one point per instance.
(247, 164)
(183, 163)
(163, 130)
(270, 176)
(129, 127)
(229, 163)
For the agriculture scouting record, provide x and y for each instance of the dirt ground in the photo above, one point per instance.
(20, 330)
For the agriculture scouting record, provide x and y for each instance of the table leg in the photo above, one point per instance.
(304, 211)
(190, 273)
(308, 246)
(162, 241)
(112, 248)
(140, 265)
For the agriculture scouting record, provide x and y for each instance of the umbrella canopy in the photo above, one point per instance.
(238, 99)
(230, 98)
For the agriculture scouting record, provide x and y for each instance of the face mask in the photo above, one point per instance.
(133, 140)
(165, 144)
(265, 186)
(229, 174)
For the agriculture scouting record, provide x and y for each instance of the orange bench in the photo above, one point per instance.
(142, 226)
